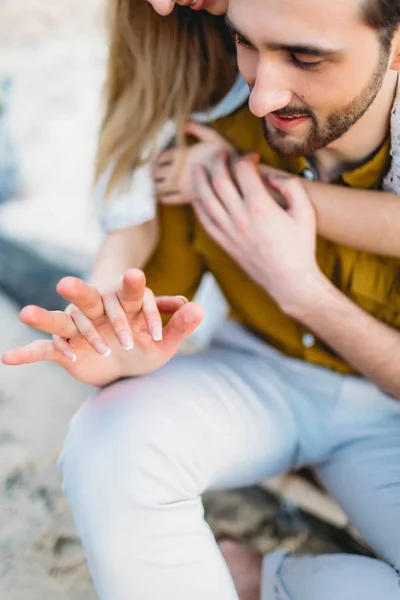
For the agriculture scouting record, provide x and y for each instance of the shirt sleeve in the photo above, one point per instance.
(132, 202)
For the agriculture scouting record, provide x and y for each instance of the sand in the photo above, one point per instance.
(55, 52)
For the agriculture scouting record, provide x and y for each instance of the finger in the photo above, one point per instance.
(174, 199)
(253, 157)
(163, 7)
(62, 346)
(131, 292)
(41, 350)
(170, 304)
(118, 319)
(52, 322)
(162, 173)
(88, 331)
(275, 194)
(86, 297)
(166, 158)
(152, 315)
(181, 325)
(167, 186)
(209, 225)
(255, 195)
(228, 192)
(299, 204)
(205, 134)
(210, 204)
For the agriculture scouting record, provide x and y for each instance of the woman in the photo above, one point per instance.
(195, 61)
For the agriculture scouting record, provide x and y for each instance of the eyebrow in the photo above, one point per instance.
(292, 48)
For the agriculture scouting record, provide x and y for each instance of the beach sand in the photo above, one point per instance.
(55, 52)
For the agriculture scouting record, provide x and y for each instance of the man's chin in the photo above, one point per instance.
(286, 143)
(287, 147)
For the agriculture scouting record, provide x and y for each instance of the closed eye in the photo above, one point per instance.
(241, 41)
(304, 64)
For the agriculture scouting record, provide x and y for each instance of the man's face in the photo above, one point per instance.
(313, 65)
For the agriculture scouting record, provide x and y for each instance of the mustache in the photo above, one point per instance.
(293, 111)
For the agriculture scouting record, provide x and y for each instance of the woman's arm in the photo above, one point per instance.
(122, 250)
(367, 220)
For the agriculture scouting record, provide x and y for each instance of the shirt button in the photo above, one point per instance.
(308, 174)
(308, 340)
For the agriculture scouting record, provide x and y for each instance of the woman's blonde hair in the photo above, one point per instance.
(159, 68)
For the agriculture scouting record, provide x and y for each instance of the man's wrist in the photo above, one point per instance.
(313, 299)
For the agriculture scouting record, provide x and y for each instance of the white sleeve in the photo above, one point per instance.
(132, 202)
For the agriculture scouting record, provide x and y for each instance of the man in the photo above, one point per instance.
(279, 390)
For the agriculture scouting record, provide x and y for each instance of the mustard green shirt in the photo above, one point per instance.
(185, 251)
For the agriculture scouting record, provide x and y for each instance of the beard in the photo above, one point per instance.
(336, 124)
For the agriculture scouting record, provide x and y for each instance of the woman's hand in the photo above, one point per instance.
(141, 312)
(174, 169)
(113, 303)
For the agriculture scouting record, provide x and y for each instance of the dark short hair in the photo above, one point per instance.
(384, 16)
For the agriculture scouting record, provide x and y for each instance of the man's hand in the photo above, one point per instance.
(88, 365)
(274, 245)
(174, 169)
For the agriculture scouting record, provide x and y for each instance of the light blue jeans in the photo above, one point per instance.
(140, 453)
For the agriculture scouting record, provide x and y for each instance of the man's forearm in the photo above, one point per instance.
(370, 346)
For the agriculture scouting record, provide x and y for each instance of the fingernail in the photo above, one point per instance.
(102, 348)
(253, 157)
(185, 300)
(70, 355)
(156, 332)
(277, 177)
(190, 318)
(126, 340)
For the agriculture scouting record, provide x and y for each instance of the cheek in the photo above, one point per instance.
(328, 91)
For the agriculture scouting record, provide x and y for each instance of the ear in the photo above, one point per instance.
(394, 64)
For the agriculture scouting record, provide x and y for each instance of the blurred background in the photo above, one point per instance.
(52, 57)
(52, 61)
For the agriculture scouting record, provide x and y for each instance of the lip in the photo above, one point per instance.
(199, 6)
(286, 124)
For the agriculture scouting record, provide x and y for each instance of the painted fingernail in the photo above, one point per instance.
(102, 348)
(126, 340)
(156, 332)
(70, 355)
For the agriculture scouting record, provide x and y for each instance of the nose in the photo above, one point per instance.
(269, 92)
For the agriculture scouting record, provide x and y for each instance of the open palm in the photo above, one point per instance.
(91, 367)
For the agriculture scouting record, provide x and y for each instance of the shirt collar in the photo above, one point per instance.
(368, 175)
